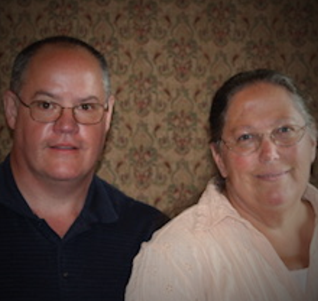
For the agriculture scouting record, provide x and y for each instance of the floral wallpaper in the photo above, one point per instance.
(167, 58)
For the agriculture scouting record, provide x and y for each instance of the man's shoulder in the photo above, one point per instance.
(129, 208)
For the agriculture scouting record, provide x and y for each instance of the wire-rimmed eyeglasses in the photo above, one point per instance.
(248, 143)
(48, 111)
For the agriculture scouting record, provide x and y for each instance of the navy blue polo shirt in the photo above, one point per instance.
(92, 261)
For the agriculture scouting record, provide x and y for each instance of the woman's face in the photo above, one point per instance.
(272, 176)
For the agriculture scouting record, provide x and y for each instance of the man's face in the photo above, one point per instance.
(63, 150)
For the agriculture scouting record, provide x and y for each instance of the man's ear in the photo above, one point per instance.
(10, 108)
(218, 159)
(109, 112)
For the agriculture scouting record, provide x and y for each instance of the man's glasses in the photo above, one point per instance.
(47, 111)
(248, 143)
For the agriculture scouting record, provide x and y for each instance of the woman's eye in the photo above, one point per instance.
(245, 137)
(285, 129)
(285, 132)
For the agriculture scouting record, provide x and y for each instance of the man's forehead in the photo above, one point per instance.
(49, 56)
(58, 48)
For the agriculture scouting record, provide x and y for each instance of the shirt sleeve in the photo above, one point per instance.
(166, 272)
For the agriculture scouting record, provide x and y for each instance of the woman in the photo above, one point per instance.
(253, 234)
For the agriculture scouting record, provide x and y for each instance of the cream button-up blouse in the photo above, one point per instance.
(209, 253)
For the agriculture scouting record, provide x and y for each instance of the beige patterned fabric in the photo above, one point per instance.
(167, 58)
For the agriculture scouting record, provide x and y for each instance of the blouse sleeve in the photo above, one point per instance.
(166, 272)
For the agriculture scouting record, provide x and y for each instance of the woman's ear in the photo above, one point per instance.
(314, 150)
(10, 108)
(218, 159)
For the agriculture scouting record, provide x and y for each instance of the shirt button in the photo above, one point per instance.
(65, 274)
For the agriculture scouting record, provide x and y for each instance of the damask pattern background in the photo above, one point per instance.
(167, 58)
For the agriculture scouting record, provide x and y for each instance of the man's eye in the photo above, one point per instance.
(87, 106)
(44, 105)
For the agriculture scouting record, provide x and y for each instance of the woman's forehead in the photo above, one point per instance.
(259, 102)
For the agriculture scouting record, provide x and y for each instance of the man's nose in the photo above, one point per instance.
(66, 121)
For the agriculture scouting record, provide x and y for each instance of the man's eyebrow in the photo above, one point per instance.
(56, 97)
(89, 98)
(44, 93)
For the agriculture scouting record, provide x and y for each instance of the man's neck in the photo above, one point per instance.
(57, 202)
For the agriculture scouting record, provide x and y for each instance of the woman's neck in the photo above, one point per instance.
(289, 231)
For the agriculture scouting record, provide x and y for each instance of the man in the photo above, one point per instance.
(65, 234)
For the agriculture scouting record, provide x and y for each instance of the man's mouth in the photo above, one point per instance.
(63, 147)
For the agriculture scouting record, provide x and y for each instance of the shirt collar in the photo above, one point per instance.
(214, 207)
(98, 206)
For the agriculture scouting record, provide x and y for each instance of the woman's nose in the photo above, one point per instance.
(268, 150)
